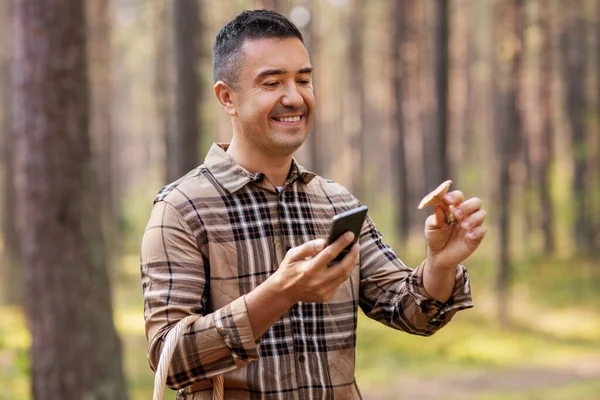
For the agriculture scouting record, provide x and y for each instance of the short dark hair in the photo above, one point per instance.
(250, 24)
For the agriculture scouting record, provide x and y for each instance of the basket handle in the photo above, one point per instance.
(160, 379)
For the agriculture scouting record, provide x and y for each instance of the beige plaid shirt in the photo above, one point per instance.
(219, 232)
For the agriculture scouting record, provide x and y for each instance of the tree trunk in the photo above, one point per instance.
(353, 117)
(162, 88)
(75, 351)
(573, 56)
(508, 123)
(311, 41)
(99, 53)
(442, 69)
(414, 103)
(185, 146)
(399, 152)
(11, 272)
(545, 147)
(596, 185)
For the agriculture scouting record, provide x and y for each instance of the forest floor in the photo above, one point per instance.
(551, 351)
(519, 383)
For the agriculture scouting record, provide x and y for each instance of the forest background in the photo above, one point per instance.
(103, 102)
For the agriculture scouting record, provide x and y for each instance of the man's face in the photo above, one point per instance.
(274, 100)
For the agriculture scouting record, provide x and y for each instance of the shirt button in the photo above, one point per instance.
(301, 358)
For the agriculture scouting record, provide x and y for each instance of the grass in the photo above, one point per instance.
(554, 306)
(575, 391)
(470, 342)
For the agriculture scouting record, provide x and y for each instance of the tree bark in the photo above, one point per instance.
(573, 56)
(355, 110)
(162, 87)
(508, 124)
(184, 153)
(441, 73)
(11, 272)
(545, 147)
(414, 105)
(311, 41)
(75, 351)
(99, 53)
(399, 152)
(596, 185)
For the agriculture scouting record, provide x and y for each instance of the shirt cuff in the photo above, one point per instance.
(234, 326)
(436, 311)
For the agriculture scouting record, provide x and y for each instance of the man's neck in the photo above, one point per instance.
(276, 168)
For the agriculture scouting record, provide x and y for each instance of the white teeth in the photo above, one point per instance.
(288, 119)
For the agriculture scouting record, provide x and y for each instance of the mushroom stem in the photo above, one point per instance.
(449, 210)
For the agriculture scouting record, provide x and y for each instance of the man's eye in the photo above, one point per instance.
(304, 81)
(271, 83)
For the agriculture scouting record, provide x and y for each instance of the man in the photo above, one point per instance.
(239, 240)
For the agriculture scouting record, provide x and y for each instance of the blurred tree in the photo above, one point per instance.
(397, 43)
(544, 148)
(460, 96)
(183, 150)
(441, 22)
(75, 351)
(596, 223)
(281, 6)
(163, 71)
(414, 103)
(9, 246)
(508, 37)
(573, 58)
(355, 113)
(99, 14)
(311, 41)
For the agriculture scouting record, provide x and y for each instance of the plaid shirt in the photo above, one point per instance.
(219, 232)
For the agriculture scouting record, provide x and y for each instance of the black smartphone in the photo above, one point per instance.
(351, 220)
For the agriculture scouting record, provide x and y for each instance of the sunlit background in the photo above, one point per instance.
(501, 96)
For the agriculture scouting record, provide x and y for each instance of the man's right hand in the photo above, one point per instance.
(304, 274)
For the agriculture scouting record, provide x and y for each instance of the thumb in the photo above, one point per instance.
(308, 249)
(436, 220)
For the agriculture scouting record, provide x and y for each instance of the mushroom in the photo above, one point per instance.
(436, 197)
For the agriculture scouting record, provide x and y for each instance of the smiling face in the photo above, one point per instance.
(272, 104)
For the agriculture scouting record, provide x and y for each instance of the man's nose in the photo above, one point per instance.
(292, 97)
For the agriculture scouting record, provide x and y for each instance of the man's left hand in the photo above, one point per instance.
(450, 244)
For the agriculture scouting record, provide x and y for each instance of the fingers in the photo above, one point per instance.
(454, 198)
(331, 251)
(466, 208)
(477, 234)
(339, 272)
(474, 220)
(306, 250)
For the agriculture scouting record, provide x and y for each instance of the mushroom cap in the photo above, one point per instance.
(435, 196)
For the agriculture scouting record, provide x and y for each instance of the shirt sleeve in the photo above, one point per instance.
(394, 294)
(175, 285)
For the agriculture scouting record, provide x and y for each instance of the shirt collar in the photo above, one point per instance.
(233, 177)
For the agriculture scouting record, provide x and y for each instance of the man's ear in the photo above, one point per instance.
(224, 94)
